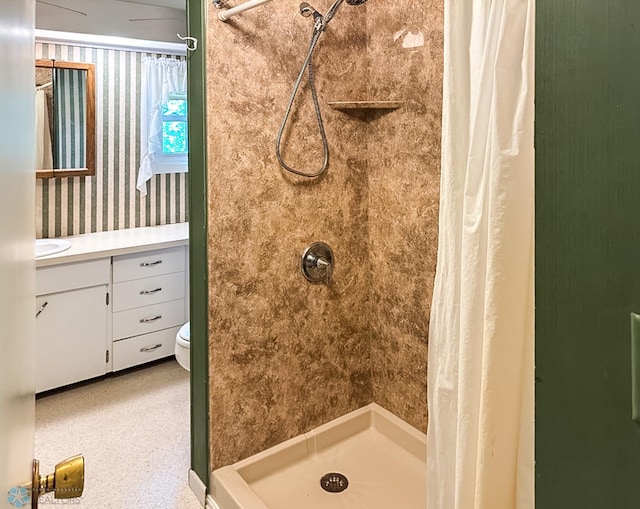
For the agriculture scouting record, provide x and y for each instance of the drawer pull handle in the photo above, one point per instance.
(150, 292)
(151, 319)
(150, 348)
(150, 264)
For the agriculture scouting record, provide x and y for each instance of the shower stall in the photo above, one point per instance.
(288, 356)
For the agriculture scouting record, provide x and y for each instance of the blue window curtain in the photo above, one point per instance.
(161, 79)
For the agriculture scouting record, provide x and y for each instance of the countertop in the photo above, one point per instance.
(132, 240)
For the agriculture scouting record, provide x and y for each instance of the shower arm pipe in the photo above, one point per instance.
(250, 4)
(331, 12)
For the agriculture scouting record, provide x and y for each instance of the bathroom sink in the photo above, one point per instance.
(46, 247)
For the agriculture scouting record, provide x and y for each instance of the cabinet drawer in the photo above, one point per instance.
(147, 291)
(149, 263)
(71, 276)
(148, 319)
(140, 349)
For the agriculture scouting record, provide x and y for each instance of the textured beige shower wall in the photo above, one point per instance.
(405, 64)
(286, 355)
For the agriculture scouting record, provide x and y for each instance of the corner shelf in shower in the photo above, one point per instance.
(365, 105)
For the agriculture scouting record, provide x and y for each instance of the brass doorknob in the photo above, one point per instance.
(67, 480)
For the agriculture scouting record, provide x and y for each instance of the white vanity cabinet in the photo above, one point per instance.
(110, 301)
(149, 304)
(72, 324)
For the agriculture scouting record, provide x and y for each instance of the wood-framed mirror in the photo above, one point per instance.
(65, 119)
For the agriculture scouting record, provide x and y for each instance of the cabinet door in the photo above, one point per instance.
(71, 337)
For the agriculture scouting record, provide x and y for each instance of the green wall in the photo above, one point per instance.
(587, 252)
(198, 264)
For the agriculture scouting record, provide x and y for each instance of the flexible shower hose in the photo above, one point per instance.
(308, 64)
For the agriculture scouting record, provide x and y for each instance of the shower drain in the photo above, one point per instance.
(333, 482)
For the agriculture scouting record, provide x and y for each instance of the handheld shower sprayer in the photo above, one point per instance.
(320, 23)
(306, 10)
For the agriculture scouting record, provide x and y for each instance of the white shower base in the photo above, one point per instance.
(383, 457)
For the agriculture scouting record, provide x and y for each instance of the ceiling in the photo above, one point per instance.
(154, 20)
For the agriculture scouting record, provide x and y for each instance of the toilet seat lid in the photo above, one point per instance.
(185, 331)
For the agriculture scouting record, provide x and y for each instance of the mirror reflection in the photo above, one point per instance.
(65, 119)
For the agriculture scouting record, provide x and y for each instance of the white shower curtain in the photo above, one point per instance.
(480, 382)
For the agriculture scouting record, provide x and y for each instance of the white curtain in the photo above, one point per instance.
(44, 152)
(480, 437)
(161, 78)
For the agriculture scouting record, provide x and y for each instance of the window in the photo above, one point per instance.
(164, 144)
(174, 126)
(175, 142)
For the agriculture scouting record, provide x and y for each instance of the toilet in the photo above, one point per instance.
(183, 345)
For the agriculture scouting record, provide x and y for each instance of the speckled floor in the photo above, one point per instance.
(133, 430)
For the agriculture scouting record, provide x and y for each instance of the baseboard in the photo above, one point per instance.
(211, 504)
(198, 487)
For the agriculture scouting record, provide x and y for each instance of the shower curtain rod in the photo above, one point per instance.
(229, 13)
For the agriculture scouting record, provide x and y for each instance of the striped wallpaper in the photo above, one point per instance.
(109, 200)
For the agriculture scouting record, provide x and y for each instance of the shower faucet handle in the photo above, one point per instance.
(325, 265)
(317, 263)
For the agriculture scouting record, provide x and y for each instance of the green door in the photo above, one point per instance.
(587, 252)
